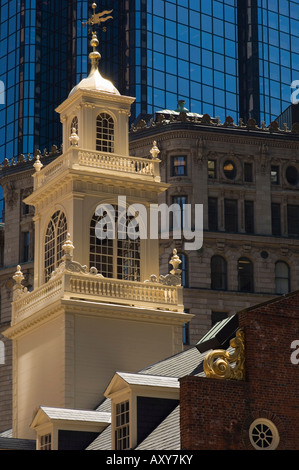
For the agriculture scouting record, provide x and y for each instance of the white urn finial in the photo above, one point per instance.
(155, 151)
(74, 138)
(38, 164)
(175, 262)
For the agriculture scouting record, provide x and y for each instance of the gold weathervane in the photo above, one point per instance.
(98, 18)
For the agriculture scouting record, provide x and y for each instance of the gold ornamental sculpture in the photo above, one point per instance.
(221, 364)
(98, 18)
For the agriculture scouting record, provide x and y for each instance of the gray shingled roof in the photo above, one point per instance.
(167, 434)
(149, 380)
(7, 443)
(76, 415)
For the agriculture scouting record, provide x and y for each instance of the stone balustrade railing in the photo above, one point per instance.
(75, 158)
(93, 287)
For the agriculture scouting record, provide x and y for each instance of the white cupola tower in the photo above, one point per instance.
(96, 112)
(98, 304)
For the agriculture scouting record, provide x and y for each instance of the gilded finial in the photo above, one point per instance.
(97, 19)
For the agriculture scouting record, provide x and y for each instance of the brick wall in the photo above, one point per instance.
(216, 414)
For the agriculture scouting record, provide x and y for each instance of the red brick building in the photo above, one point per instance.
(261, 411)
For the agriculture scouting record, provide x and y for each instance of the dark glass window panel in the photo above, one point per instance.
(248, 172)
(213, 213)
(212, 174)
(276, 219)
(186, 333)
(184, 266)
(282, 278)
(179, 166)
(231, 215)
(218, 273)
(249, 216)
(245, 275)
(26, 243)
(293, 220)
(181, 201)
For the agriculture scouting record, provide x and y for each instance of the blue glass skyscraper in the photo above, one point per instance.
(223, 57)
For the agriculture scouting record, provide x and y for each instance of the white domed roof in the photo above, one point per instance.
(95, 82)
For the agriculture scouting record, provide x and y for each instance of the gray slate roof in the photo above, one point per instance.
(76, 415)
(7, 443)
(167, 435)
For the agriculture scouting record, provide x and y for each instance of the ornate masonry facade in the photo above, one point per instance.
(246, 177)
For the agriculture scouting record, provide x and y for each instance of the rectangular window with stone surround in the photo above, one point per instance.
(231, 215)
(179, 166)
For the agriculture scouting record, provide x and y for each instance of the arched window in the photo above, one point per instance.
(105, 133)
(218, 273)
(282, 278)
(115, 256)
(2, 353)
(245, 275)
(55, 237)
(74, 125)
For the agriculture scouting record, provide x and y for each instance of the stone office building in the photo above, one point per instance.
(247, 180)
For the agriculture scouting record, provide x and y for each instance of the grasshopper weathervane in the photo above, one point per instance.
(98, 18)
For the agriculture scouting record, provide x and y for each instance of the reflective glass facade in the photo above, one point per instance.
(177, 49)
(278, 54)
(223, 57)
(39, 43)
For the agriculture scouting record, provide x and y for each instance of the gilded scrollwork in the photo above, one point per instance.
(220, 364)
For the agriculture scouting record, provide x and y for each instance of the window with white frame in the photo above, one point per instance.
(54, 240)
(105, 133)
(45, 442)
(122, 426)
(263, 435)
(113, 255)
